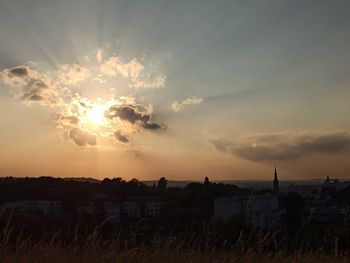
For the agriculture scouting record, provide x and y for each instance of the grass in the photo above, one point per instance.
(179, 248)
(171, 250)
(53, 253)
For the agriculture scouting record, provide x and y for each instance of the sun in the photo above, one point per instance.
(96, 115)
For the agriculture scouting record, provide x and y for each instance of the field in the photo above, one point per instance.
(156, 249)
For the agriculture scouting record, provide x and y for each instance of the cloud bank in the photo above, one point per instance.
(270, 147)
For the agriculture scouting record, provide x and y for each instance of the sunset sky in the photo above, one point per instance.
(181, 89)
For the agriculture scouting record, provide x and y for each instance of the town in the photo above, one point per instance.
(123, 203)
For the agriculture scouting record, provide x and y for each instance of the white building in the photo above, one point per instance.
(138, 208)
(153, 208)
(132, 209)
(262, 211)
(331, 214)
(45, 207)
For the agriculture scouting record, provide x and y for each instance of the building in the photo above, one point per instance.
(261, 211)
(330, 214)
(154, 208)
(132, 208)
(226, 208)
(334, 184)
(46, 207)
(140, 207)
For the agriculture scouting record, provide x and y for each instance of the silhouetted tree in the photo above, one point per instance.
(162, 183)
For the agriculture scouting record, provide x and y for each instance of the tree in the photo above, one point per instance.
(162, 183)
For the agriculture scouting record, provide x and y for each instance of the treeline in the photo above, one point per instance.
(49, 188)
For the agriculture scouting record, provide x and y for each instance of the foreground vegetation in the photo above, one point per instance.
(95, 252)
(183, 247)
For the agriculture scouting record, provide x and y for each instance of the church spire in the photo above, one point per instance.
(275, 181)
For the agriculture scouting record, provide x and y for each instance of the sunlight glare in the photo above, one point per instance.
(96, 114)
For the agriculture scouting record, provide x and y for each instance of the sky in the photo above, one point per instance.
(181, 89)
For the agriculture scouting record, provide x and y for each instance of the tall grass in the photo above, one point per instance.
(176, 248)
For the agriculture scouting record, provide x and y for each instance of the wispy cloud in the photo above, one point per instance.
(134, 71)
(99, 55)
(82, 138)
(282, 146)
(180, 105)
(72, 74)
(121, 137)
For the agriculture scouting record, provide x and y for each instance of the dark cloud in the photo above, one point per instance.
(35, 90)
(127, 113)
(16, 75)
(132, 114)
(152, 126)
(120, 137)
(27, 85)
(283, 146)
(21, 71)
(82, 138)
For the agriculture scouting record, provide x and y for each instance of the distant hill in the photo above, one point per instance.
(82, 179)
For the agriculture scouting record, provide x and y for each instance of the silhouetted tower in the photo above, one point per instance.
(276, 184)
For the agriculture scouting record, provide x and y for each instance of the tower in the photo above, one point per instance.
(275, 182)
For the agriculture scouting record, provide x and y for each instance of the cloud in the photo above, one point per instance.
(127, 113)
(72, 74)
(180, 105)
(152, 126)
(16, 76)
(99, 55)
(29, 85)
(283, 146)
(66, 120)
(121, 137)
(134, 114)
(36, 90)
(82, 138)
(80, 115)
(134, 71)
(19, 72)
